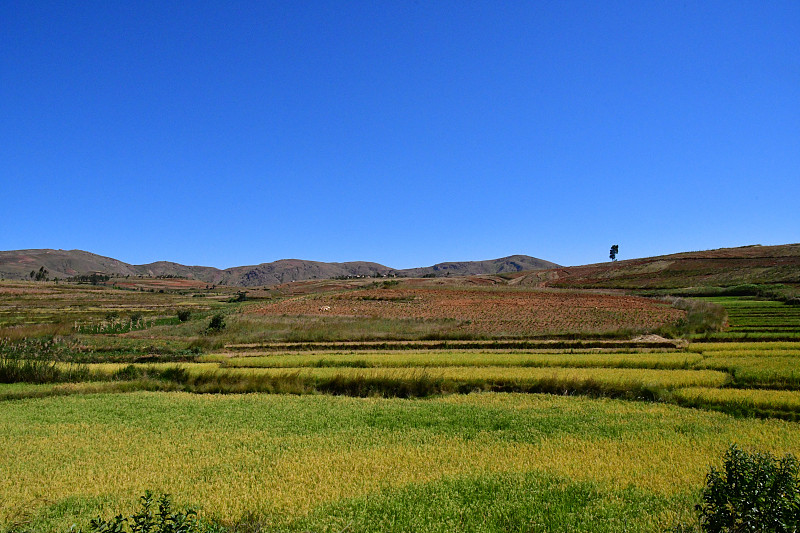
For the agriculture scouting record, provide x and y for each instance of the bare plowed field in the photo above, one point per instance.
(490, 312)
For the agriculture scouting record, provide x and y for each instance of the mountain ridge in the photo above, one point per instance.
(17, 264)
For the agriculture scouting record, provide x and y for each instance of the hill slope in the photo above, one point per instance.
(723, 267)
(513, 263)
(17, 264)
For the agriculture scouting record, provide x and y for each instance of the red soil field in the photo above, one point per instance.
(490, 312)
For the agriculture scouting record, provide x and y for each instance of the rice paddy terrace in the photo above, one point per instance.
(404, 407)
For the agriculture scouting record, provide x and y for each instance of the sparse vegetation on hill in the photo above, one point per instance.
(77, 265)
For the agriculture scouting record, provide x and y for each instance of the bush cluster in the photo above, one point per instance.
(753, 492)
(217, 323)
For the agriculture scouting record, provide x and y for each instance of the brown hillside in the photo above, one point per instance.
(17, 264)
(723, 267)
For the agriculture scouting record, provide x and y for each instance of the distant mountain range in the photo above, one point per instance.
(18, 264)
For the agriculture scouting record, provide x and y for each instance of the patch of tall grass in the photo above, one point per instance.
(701, 317)
(37, 360)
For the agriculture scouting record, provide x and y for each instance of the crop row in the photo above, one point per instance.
(654, 360)
(607, 380)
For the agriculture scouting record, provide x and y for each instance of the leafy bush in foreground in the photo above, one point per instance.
(752, 493)
(151, 520)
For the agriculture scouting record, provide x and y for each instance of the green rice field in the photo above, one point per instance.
(751, 319)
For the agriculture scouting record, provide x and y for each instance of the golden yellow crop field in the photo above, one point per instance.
(286, 456)
(434, 358)
(618, 376)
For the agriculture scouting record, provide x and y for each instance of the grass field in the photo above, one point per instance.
(408, 414)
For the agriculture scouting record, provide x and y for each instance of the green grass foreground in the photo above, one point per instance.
(489, 462)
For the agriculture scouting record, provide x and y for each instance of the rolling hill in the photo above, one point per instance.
(17, 264)
(723, 267)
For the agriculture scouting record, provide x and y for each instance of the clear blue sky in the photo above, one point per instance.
(402, 132)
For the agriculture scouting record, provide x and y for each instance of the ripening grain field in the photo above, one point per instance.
(261, 432)
(317, 463)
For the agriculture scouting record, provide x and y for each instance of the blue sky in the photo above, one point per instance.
(406, 133)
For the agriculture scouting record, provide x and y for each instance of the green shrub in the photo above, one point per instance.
(241, 296)
(150, 519)
(752, 493)
(217, 323)
(184, 315)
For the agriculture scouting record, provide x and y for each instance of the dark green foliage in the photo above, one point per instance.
(94, 278)
(241, 296)
(752, 493)
(152, 517)
(133, 372)
(612, 254)
(184, 315)
(41, 275)
(217, 323)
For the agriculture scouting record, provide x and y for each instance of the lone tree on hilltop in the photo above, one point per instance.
(614, 251)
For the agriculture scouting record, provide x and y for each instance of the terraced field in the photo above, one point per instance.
(300, 423)
(751, 319)
(490, 311)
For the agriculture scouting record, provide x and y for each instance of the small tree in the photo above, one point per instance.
(217, 323)
(613, 253)
(41, 275)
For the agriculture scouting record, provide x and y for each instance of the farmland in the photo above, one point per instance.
(492, 312)
(424, 405)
